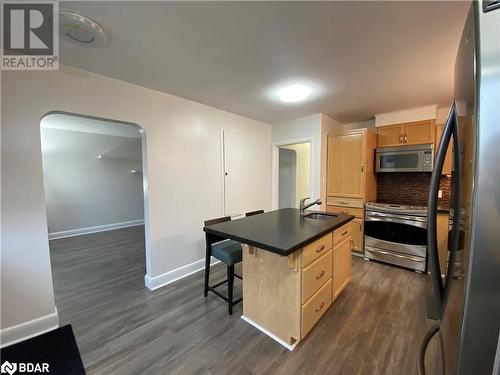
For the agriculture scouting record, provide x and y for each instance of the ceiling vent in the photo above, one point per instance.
(81, 30)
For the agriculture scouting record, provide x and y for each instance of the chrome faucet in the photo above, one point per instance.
(304, 206)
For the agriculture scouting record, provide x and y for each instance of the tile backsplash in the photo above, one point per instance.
(409, 188)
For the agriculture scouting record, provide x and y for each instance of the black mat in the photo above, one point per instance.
(57, 348)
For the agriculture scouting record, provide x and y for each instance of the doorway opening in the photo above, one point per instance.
(95, 182)
(294, 173)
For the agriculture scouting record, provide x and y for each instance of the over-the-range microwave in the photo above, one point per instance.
(418, 158)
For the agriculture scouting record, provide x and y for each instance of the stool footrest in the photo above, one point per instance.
(216, 292)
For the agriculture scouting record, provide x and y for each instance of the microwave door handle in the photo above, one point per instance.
(432, 247)
(456, 194)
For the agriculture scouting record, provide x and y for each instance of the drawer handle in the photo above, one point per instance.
(320, 275)
(343, 234)
(320, 306)
(343, 202)
(320, 249)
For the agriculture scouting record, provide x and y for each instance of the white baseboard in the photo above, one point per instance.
(99, 228)
(179, 273)
(274, 337)
(31, 328)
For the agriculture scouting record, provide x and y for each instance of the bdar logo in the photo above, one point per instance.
(8, 368)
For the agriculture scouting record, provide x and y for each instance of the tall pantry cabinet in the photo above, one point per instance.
(351, 180)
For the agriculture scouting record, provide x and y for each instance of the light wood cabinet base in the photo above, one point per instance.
(285, 296)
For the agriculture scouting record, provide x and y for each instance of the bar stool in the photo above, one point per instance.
(252, 213)
(228, 252)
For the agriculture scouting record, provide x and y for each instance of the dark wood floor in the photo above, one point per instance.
(374, 327)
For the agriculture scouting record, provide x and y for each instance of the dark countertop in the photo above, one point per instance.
(282, 231)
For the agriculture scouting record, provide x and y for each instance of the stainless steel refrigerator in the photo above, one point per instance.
(467, 298)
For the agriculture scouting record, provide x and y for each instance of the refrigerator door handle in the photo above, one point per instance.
(456, 194)
(432, 247)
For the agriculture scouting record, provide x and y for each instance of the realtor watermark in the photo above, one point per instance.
(30, 35)
(24, 368)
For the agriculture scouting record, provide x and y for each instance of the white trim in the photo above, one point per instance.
(99, 228)
(275, 167)
(407, 115)
(169, 277)
(276, 338)
(29, 329)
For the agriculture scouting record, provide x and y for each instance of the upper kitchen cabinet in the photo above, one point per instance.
(410, 133)
(447, 160)
(391, 135)
(350, 165)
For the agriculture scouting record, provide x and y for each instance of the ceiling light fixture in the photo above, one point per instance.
(293, 93)
(80, 29)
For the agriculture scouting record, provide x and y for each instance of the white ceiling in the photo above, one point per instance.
(88, 125)
(362, 58)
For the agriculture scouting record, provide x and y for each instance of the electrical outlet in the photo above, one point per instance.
(440, 194)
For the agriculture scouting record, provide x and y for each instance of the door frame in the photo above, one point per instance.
(275, 166)
(142, 132)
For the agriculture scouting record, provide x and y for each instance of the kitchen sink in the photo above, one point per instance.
(321, 216)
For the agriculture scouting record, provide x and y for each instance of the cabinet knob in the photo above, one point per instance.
(320, 275)
(320, 306)
(406, 138)
(401, 138)
(320, 249)
(362, 167)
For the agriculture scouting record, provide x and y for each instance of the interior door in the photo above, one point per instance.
(420, 132)
(346, 156)
(233, 172)
(391, 135)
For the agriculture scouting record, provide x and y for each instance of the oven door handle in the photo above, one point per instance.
(400, 220)
(383, 252)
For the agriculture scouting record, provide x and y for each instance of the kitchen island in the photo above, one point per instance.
(294, 266)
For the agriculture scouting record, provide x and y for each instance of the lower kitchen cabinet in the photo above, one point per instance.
(357, 230)
(341, 271)
(357, 235)
(287, 295)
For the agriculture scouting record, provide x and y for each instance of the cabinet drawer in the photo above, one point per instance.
(342, 233)
(315, 307)
(344, 202)
(315, 249)
(358, 212)
(315, 275)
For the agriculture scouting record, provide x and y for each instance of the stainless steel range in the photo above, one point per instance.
(396, 234)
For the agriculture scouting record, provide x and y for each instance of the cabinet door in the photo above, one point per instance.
(391, 135)
(420, 132)
(357, 235)
(346, 157)
(341, 271)
(447, 160)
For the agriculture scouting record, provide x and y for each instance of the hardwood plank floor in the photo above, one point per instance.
(374, 327)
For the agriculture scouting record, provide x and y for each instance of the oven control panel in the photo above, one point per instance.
(427, 162)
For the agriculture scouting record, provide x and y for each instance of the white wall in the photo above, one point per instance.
(83, 191)
(359, 125)
(295, 131)
(183, 177)
(406, 115)
(316, 129)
